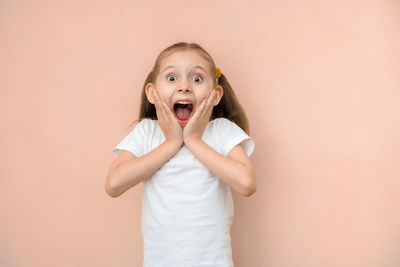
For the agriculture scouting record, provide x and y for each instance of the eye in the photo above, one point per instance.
(170, 75)
(196, 78)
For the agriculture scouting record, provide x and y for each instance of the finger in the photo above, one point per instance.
(199, 110)
(211, 99)
(202, 107)
(209, 104)
(159, 105)
(157, 102)
(168, 111)
(156, 98)
(165, 110)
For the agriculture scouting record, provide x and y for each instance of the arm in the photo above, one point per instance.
(235, 169)
(131, 170)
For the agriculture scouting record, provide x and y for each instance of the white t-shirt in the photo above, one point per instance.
(187, 211)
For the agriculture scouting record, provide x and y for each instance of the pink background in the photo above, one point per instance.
(319, 81)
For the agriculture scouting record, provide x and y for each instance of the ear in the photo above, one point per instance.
(149, 92)
(220, 93)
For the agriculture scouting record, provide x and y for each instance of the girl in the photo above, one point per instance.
(189, 147)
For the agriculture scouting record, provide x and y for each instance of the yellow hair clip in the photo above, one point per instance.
(218, 72)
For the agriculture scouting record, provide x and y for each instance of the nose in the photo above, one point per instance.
(184, 87)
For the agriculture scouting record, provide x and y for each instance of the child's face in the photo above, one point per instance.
(184, 75)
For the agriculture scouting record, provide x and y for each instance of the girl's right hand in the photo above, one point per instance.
(167, 121)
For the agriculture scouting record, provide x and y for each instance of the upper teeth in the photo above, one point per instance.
(184, 102)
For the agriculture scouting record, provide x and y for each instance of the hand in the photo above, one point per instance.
(196, 125)
(167, 121)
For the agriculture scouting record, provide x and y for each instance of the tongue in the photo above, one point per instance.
(183, 113)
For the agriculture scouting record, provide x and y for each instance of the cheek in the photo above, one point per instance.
(163, 95)
(203, 95)
(166, 98)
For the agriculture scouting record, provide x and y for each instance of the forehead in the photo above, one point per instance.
(184, 60)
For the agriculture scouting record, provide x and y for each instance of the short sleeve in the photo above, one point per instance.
(134, 142)
(230, 134)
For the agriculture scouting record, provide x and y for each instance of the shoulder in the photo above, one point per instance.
(221, 122)
(224, 124)
(146, 121)
(142, 129)
(228, 134)
(144, 124)
(136, 138)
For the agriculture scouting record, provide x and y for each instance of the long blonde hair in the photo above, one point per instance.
(228, 107)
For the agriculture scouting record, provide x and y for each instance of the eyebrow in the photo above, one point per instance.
(198, 67)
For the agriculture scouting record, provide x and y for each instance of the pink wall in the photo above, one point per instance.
(319, 81)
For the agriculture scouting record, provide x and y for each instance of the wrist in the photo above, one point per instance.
(174, 145)
(192, 140)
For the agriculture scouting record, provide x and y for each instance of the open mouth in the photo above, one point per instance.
(183, 110)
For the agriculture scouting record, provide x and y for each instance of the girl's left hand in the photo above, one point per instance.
(196, 125)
